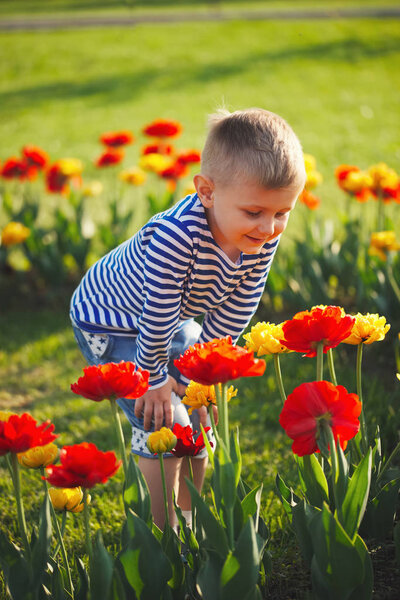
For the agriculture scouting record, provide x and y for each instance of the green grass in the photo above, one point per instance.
(335, 81)
(34, 8)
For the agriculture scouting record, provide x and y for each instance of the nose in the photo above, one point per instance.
(267, 226)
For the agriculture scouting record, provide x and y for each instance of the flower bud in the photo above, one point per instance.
(161, 441)
(69, 499)
(39, 456)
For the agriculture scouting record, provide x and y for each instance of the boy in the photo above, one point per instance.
(209, 255)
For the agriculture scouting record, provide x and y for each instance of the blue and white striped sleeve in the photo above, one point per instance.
(165, 268)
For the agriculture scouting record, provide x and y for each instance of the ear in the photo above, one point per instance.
(204, 188)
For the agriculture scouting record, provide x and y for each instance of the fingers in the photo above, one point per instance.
(139, 407)
(202, 412)
(167, 414)
(181, 390)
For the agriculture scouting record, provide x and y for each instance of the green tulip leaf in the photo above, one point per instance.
(171, 547)
(83, 590)
(302, 514)
(41, 548)
(216, 538)
(136, 493)
(313, 480)
(336, 563)
(356, 498)
(145, 565)
(101, 569)
(381, 511)
(240, 571)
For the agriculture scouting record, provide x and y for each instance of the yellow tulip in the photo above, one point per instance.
(69, 499)
(382, 242)
(134, 176)
(154, 162)
(198, 395)
(314, 178)
(161, 441)
(382, 176)
(309, 162)
(357, 181)
(40, 456)
(70, 167)
(367, 329)
(264, 339)
(14, 233)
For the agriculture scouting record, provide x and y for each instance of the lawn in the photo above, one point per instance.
(336, 82)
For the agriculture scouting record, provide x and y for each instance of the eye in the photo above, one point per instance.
(252, 214)
(281, 215)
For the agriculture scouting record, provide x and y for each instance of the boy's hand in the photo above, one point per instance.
(203, 412)
(156, 403)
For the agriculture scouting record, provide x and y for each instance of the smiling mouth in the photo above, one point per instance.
(255, 240)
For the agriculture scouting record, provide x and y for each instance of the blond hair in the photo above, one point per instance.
(252, 145)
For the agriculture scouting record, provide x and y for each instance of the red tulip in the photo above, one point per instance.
(185, 445)
(328, 324)
(160, 148)
(56, 181)
(115, 139)
(163, 128)
(109, 157)
(311, 404)
(18, 168)
(189, 157)
(82, 465)
(218, 361)
(35, 157)
(21, 432)
(111, 381)
(175, 171)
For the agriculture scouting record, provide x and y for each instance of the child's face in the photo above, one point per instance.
(244, 217)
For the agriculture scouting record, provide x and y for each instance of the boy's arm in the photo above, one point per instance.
(168, 255)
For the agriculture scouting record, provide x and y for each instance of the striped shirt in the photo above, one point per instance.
(171, 270)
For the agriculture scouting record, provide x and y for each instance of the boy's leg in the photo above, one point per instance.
(199, 466)
(150, 468)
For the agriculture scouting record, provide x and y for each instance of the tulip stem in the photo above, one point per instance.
(335, 469)
(279, 380)
(381, 213)
(331, 366)
(89, 546)
(392, 280)
(16, 477)
(190, 469)
(59, 535)
(120, 435)
(363, 425)
(63, 523)
(164, 486)
(223, 423)
(214, 427)
(320, 361)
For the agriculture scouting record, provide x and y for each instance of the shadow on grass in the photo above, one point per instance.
(121, 88)
(20, 327)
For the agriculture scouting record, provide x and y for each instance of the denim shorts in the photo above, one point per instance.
(102, 348)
